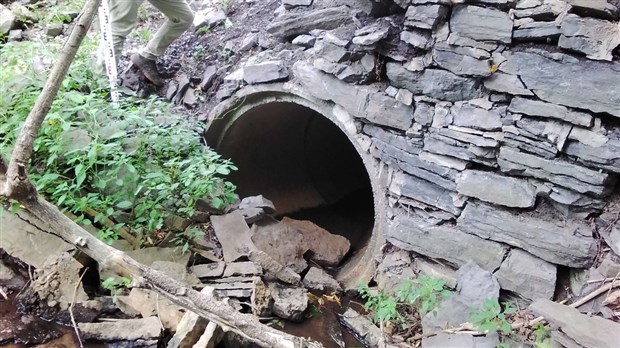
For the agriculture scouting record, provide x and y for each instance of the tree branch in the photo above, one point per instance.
(18, 183)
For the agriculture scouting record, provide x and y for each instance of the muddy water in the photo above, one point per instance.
(323, 325)
(29, 329)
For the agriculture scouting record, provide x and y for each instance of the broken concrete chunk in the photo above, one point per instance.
(233, 234)
(594, 37)
(318, 280)
(327, 249)
(121, 330)
(527, 275)
(493, 188)
(288, 303)
(589, 332)
(269, 71)
(480, 23)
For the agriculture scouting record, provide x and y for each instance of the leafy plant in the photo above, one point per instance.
(183, 240)
(145, 34)
(115, 286)
(425, 293)
(491, 318)
(411, 300)
(225, 5)
(133, 162)
(542, 339)
(203, 30)
(199, 52)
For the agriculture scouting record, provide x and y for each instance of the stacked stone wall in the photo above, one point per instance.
(499, 119)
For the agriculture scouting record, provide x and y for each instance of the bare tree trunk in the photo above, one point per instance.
(14, 184)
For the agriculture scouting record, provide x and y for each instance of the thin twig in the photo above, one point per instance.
(4, 294)
(77, 285)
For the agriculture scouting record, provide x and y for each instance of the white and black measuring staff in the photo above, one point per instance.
(108, 48)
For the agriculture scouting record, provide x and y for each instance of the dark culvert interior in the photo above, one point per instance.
(304, 163)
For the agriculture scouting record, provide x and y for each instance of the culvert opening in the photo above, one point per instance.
(304, 163)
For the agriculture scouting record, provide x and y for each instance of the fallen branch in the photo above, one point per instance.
(77, 332)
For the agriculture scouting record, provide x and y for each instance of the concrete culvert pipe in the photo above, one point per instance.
(297, 153)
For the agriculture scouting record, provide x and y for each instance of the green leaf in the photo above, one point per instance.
(124, 204)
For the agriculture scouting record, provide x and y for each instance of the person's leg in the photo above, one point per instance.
(123, 18)
(179, 18)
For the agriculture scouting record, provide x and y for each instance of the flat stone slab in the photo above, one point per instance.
(494, 188)
(527, 275)
(242, 269)
(368, 332)
(233, 234)
(589, 332)
(208, 270)
(445, 243)
(594, 37)
(121, 330)
(560, 242)
(480, 23)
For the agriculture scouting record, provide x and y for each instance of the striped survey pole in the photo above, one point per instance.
(108, 48)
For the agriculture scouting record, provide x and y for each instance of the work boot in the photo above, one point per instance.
(148, 68)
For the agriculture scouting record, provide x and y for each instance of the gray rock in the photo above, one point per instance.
(354, 73)
(267, 236)
(258, 202)
(16, 35)
(327, 249)
(288, 303)
(423, 191)
(404, 96)
(249, 41)
(458, 133)
(208, 77)
(538, 147)
(542, 75)
(445, 243)
(562, 173)
(460, 340)
(121, 330)
(527, 275)
(605, 157)
(318, 280)
(243, 268)
(505, 83)
(453, 59)
(370, 35)
(7, 20)
(437, 142)
(417, 38)
(5, 272)
(540, 9)
(387, 111)
(468, 115)
(233, 234)
(598, 8)
(564, 243)
(590, 332)
(176, 223)
(294, 3)
(425, 16)
(594, 37)
(328, 66)
(435, 83)
(293, 24)
(483, 24)
(610, 266)
(436, 270)
(304, 40)
(368, 332)
(274, 269)
(424, 113)
(393, 139)
(537, 31)
(474, 286)
(226, 90)
(209, 17)
(331, 52)
(269, 71)
(208, 270)
(497, 189)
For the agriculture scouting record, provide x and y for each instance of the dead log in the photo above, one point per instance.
(15, 184)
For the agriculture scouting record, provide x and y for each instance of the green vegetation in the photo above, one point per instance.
(183, 240)
(133, 162)
(115, 286)
(411, 300)
(491, 318)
